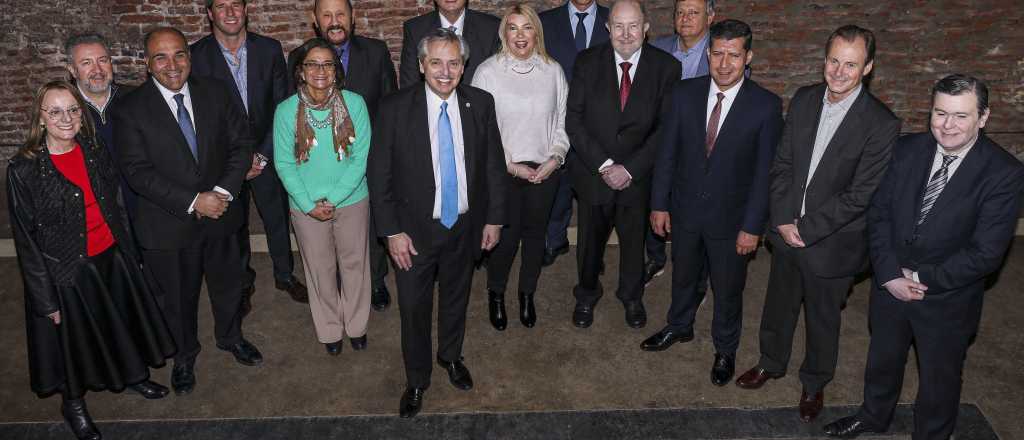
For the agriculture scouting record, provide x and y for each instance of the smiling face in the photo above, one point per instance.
(91, 67)
(61, 116)
(318, 69)
(442, 67)
(168, 59)
(845, 67)
(228, 16)
(692, 20)
(521, 36)
(727, 60)
(333, 18)
(627, 26)
(955, 121)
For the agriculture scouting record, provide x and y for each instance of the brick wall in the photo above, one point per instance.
(918, 42)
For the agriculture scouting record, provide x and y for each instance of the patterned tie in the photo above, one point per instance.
(581, 32)
(625, 85)
(446, 162)
(341, 59)
(185, 123)
(935, 187)
(712, 132)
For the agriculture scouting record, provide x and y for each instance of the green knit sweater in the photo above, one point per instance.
(323, 176)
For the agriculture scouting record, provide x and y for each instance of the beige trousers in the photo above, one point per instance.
(341, 242)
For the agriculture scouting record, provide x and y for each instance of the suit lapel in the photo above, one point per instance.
(354, 73)
(804, 139)
(600, 34)
(917, 179)
(563, 33)
(732, 118)
(967, 175)
(200, 123)
(420, 145)
(468, 136)
(222, 72)
(165, 118)
(608, 80)
(251, 77)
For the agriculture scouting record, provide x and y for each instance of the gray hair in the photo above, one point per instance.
(80, 39)
(638, 3)
(442, 35)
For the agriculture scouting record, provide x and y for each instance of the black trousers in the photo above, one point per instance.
(272, 204)
(561, 208)
(446, 259)
(529, 206)
(941, 329)
(790, 285)
(595, 226)
(178, 275)
(728, 271)
(378, 257)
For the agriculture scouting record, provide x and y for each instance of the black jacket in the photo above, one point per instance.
(480, 33)
(48, 220)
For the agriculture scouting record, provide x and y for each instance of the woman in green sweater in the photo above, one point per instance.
(321, 141)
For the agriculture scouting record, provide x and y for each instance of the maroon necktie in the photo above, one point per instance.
(709, 141)
(625, 85)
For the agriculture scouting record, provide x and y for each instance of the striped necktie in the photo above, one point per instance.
(935, 187)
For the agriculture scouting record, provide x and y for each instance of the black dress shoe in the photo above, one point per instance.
(183, 378)
(412, 401)
(651, 270)
(496, 310)
(295, 289)
(458, 374)
(76, 415)
(664, 339)
(333, 348)
(527, 312)
(636, 315)
(245, 353)
(849, 427)
(150, 390)
(380, 298)
(358, 344)
(550, 255)
(723, 369)
(583, 315)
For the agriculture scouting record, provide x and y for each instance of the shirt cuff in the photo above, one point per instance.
(606, 164)
(231, 198)
(914, 276)
(192, 206)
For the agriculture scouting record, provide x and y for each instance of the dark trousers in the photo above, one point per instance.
(728, 271)
(595, 226)
(941, 329)
(446, 259)
(790, 284)
(561, 210)
(177, 276)
(655, 247)
(272, 204)
(378, 257)
(528, 205)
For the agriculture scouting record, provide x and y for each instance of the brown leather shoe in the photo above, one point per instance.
(755, 377)
(810, 405)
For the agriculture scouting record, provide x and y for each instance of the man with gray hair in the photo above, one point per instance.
(437, 179)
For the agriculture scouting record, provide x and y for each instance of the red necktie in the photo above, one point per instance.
(709, 141)
(625, 85)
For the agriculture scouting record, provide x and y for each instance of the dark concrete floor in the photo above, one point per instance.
(553, 366)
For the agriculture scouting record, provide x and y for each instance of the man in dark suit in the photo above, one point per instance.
(437, 180)
(253, 65)
(939, 224)
(568, 30)
(710, 190)
(368, 72)
(612, 117)
(186, 159)
(834, 151)
(480, 30)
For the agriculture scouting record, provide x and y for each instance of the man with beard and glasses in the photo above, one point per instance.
(369, 72)
(480, 30)
(252, 67)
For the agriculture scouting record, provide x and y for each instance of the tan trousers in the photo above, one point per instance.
(341, 242)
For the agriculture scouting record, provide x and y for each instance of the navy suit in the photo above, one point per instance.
(962, 241)
(712, 198)
(561, 45)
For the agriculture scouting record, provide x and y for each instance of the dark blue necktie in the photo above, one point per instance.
(449, 174)
(185, 123)
(581, 32)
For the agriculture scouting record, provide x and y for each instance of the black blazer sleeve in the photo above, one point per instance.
(40, 292)
(590, 151)
(781, 174)
(885, 261)
(388, 81)
(665, 166)
(238, 141)
(756, 214)
(138, 167)
(497, 174)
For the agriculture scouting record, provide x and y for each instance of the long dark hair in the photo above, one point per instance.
(298, 56)
(36, 139)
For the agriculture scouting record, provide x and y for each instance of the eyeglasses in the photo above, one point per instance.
(57, 113)
(327, 67)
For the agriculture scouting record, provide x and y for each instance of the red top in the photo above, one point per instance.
(72, 166)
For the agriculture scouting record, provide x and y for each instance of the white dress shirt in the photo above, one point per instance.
(730, 97)
(633, 60)
(454, 116)
(832, 116)
(459, 24)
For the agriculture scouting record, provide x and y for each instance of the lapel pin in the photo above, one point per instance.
(467, 105)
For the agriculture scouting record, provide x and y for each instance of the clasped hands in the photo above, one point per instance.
(211, 204)
(323, 211)
(401, 249)
(533, 175)
(661, 223)
(616, 177)
(905, 288)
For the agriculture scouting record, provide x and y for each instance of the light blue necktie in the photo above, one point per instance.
(185, 123)
(449, 176)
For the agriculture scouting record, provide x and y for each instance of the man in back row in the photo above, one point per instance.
(480, 30)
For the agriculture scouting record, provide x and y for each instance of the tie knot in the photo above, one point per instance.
(720, 96)
(948, 159)
(179, 98)
(453, 28)
(581, 15)
(625, 65)
(444, 106)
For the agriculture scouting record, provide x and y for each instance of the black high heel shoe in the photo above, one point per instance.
(527, 312)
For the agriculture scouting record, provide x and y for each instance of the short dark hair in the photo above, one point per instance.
(149, 36)
(209, 3)
(298, 56)
(731, 29)
(316, 4)
(850, 33)
(958, 84)
(80, 39)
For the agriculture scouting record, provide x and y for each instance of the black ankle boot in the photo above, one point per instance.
(527, 313)
(77, 417)
(496, 306)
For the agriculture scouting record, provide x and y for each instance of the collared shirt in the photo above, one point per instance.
(454, 116)
(633, 61)
(730, 97)
(342, 53)
(588, 21)
(459, 24)
(238, 65)
(832, 115)
(101, 109)
(953, 166)
(690, 58)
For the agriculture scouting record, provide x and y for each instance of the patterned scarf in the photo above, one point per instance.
(342, 129)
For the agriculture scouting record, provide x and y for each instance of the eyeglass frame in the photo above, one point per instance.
(57, 113)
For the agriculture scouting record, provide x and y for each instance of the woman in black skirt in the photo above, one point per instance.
(92, 323)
